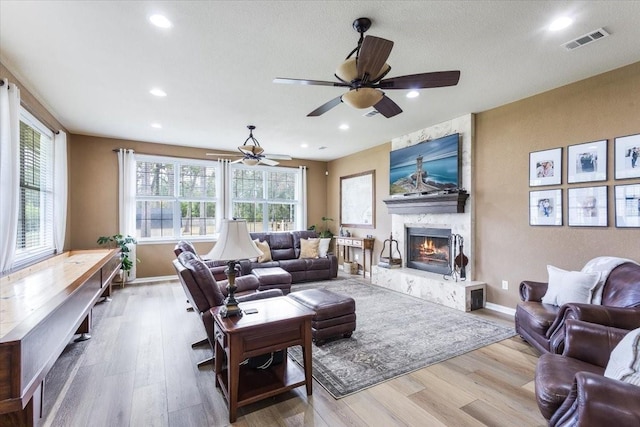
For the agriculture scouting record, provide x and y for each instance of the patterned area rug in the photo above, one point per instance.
(395, 334)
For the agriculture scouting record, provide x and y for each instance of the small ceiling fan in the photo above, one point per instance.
(364, 76)
(252, 153)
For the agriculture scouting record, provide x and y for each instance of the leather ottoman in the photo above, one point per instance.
(335, 313)
(273, 278)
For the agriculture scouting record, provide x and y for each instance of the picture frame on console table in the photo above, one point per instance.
(545, 167)
(627, 157)
(587, 162)
(627, 200)
(357, 200)
(545, 207)
(587, 206)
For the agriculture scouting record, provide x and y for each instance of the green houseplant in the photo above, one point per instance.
(122, 242)
(325, 233)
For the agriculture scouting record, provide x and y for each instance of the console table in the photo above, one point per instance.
(41, 308)
(357, 242)
(277, 324)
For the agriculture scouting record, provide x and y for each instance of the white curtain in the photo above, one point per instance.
(302, 197)
(127, 201)
(225, 209)
(9, 172)
(59, 190)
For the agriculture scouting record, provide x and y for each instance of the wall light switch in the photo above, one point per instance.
(505, 285)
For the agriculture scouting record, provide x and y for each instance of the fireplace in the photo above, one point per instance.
(428, 249)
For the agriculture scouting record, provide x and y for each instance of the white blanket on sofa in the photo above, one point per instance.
(604, 265)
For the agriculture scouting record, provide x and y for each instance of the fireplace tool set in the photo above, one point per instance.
(458, 264)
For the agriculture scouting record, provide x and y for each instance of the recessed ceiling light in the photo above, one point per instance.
(157, 92)
(160, 21)
(560, 23)
(413, 94)
(304, 145)
(344, 126)
(156, 125)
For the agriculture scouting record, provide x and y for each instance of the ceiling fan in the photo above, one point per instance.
(252, 153)
(364, 76)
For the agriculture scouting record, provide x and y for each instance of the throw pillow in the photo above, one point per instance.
(569, 286)
(624, 362)
(265, 249)
(309, 248)
(324, 246)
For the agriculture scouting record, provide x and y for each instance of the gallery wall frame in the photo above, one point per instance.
(627, 157)
(587, 162)
(627, 202)
(357, 200)
(587, 206)
(545, 207)
(545, 167)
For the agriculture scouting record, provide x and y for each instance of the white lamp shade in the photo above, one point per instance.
(234, 242)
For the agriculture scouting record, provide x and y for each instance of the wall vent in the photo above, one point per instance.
(592, 36)
(371, 113)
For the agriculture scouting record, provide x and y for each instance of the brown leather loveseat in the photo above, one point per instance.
(572, 389)
(285, 253)
(542, 325)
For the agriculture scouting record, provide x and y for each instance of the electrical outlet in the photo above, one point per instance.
(505, 285)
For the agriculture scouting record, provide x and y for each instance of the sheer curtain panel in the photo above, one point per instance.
(59, 190)
(302, 197)
(127, 201)
(9, 172)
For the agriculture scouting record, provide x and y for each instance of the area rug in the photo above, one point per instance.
(395, 334)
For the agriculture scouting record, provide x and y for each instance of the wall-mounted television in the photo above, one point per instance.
(426, 167)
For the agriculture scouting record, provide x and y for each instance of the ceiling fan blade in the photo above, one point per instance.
(387, 107)
(422, 81)
(373, 55)
(325, 107)
(224, 154)
(309, 82)
(269, 162)
(237, 161)
(278, 156)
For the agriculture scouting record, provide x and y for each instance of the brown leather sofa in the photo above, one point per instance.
(571, 389)
(285, 250)
(217, 267)
(542, 325)
(204, 292)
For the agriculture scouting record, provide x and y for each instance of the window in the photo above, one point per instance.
(176, 198)
(35, 217)
(266, 197)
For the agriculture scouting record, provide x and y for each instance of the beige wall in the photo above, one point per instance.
(93, 196)
(376, 158)
(507, 248)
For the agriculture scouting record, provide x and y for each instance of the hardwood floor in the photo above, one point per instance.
(139, 370)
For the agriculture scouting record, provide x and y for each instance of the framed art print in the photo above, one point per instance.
(545, 207)
(587, 206)
(545, 167)
(627, 205)
(627, 157)
(587, 162)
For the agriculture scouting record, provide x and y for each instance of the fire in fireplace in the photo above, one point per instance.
(428, 249)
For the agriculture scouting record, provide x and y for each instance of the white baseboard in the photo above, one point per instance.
(500, 308)
(142, 280)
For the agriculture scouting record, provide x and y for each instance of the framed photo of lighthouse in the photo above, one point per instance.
(426, 167)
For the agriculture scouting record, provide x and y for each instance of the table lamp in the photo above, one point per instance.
(234, 243)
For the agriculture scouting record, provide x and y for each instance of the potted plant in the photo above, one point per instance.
(124, 243)
(325, 235)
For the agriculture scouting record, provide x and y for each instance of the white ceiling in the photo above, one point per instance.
(92, 63)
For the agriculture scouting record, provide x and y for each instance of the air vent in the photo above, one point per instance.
(598, 34)
(371, 113)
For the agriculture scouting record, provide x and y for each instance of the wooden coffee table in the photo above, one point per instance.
(278, 324)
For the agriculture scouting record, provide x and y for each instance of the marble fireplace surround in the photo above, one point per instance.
(431, 286)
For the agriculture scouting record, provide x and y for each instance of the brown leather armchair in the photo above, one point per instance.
(217, 267)
(204, 292)
(542, 325)
(571, 389)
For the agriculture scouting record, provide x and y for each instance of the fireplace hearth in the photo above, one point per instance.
(428, 249)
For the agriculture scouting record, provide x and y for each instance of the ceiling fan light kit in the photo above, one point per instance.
(364, 74)
(252, 153)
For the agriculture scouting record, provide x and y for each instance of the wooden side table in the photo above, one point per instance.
(278, 324)
(360, 243)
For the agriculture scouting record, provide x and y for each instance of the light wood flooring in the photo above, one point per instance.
(139, 370)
